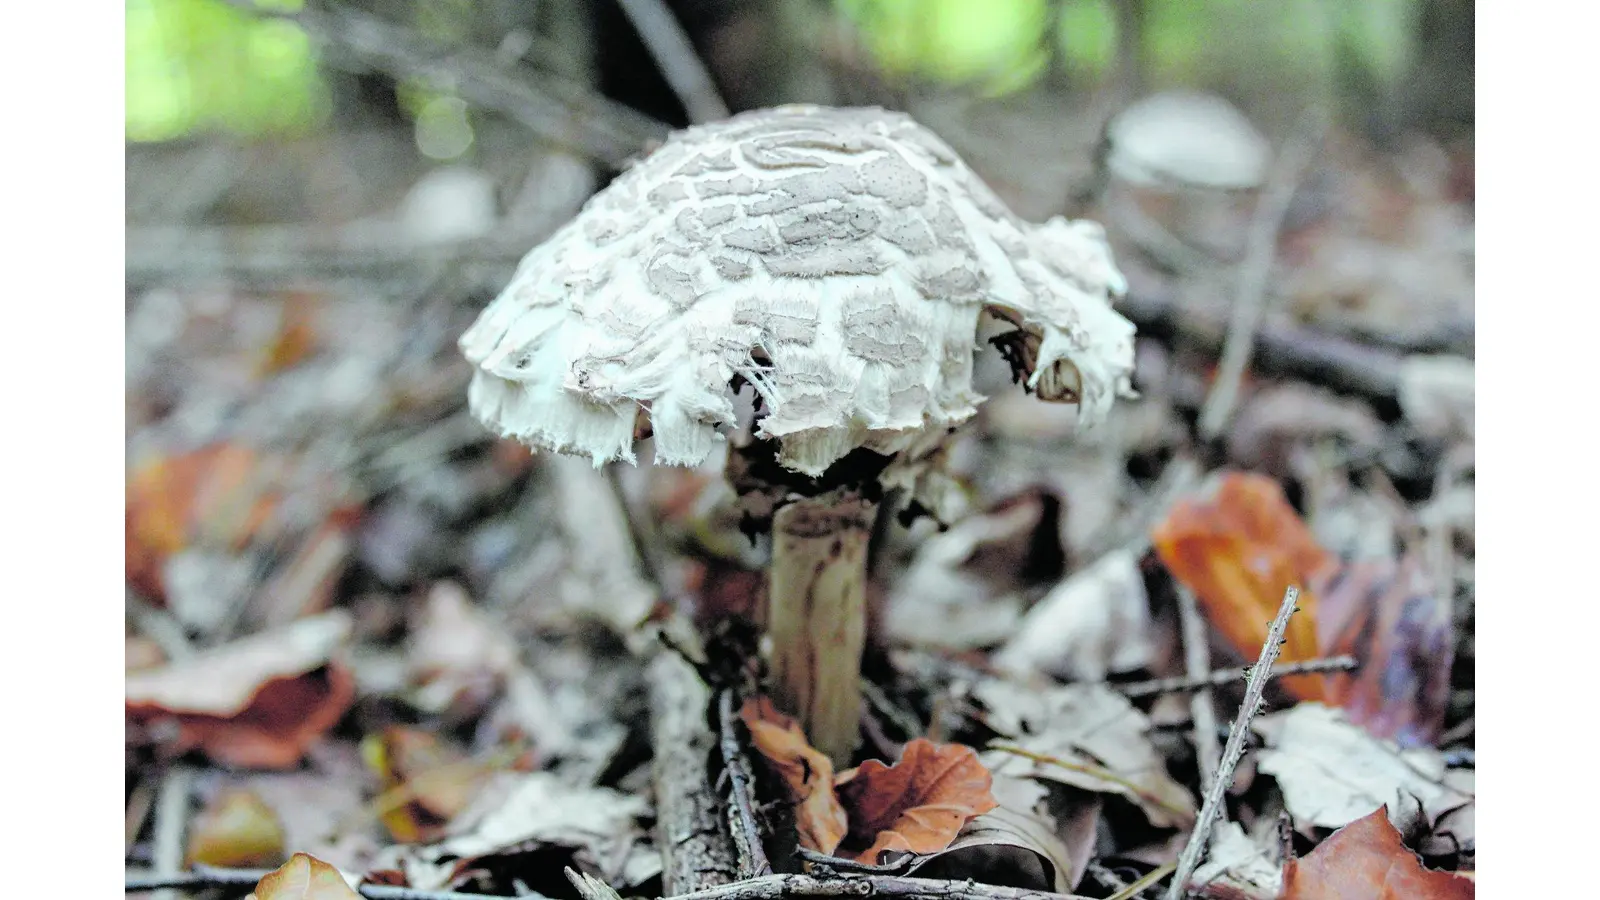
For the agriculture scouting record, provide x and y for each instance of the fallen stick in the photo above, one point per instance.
(1189, 860)
(697, 851)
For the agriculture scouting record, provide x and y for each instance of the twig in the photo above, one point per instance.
(1202, 704)
(669, 46)
(752, 855)
(1195, 849)
(776, 887)
(1105, 876)
(1255, 268)
(1136, 689)
(697, 851)
(1146, 880)
(561, 112)
(1087, 769)
(171, 821)
(207, 877)
(840, 864)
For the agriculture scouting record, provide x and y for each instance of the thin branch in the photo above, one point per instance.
(1218, 677)
(1202, 705)
(1231, 753)
(1254, 270)
(207, 877)
(171, 820)
(752, 855)
(559, 111)
(777, 887)
(688, 77)
(1148, 879)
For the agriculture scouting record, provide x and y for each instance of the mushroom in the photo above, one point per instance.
(837, 261)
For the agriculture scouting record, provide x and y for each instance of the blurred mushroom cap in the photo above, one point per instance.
(1186, 138)
(837, 260)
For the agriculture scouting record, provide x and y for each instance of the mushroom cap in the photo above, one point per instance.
(838, 260)
(1187, 138)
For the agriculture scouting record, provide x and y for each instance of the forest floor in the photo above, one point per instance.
(362, 629)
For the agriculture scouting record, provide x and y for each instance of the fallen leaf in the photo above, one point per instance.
(1239, 549)
(1236, 863)
(457, 657)
(236, 830)
(304, 877)
(426, 782)
(1332, 772)
(1095, 622)
(1055, 840)
(963, 589)
(1087, 736)
(1437, 395)
(916, 805)
(296, 337)
(1401, 630)
(257, 702)
(521, 814)
(806, 772)
(1366, 860)
(219, 489)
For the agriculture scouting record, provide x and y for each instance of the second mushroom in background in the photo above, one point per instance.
(839, 262)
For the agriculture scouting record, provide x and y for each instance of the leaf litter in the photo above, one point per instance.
(326, 562)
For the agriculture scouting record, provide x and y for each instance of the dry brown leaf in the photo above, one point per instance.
(1402, 631)
(1366, 860)
(819, 817)
(304, 877)
(426, 782)
(171, 497)
(1055, 839)
(1095, 622)
(236, 830)
(916, 805)
(1239, 549)
(257, 702)
(296, 337)
(456, 655)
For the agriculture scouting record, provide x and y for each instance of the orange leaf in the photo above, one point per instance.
(426, 782)
(919, 803)
(1366, 860)
(171, 497)
(1238, 550)
(296, 337)
(304, 877)
(818, 816)
(257, 703)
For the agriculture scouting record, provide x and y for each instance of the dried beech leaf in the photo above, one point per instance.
(236, 830)
(806, 772)
(916, 805)
(258, 702)
(1095, 622)
(1332, 772)
(304, 877)
(1238, 550)
(170, 498)
(986, 847)
(1402, 631)
(1237, 863)
(1087, 736)
(1366, 860)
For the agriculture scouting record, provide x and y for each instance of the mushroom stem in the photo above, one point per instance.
(817, 616)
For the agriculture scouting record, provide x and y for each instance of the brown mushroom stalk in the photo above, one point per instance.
(838, 262)
(818, 615)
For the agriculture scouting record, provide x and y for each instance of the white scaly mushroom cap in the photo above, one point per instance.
(836, 259)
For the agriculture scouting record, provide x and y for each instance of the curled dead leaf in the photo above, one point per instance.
(426, 782)
(258, 702)
(1238, 549)
(1366, 860)
(304, 877)
(806, 772)
(916, 805)
(237, 829)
